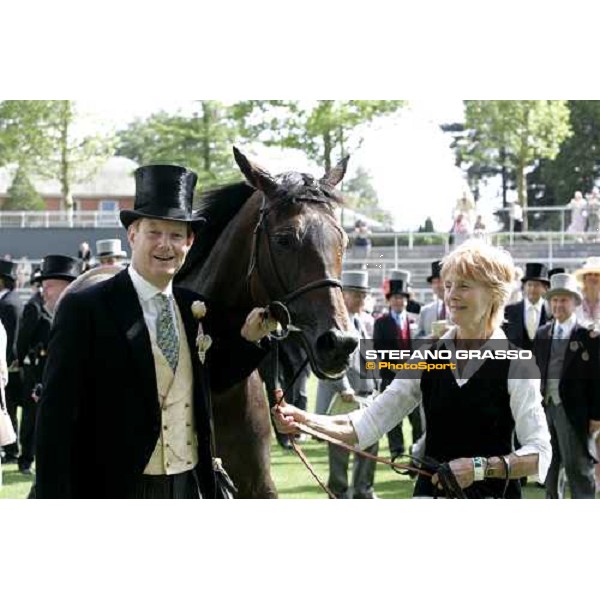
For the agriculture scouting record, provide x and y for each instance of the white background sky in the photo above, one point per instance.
(408, 156)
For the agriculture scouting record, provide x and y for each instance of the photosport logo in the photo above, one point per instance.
(438, 358)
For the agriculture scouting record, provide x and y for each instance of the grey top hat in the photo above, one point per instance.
(399, 275)
(355, 280)
(563, 283)
(110, 248)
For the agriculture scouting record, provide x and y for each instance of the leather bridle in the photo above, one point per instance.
(278, 308)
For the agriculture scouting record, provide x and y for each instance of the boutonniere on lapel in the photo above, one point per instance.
(203, 340)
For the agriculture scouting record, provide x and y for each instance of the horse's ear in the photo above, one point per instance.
(256, 176)
(336, 174)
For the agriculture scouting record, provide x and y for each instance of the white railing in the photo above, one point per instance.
(57, 218)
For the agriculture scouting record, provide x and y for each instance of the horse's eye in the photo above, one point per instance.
(286, 240)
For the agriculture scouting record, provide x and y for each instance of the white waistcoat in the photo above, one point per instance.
(177, 447)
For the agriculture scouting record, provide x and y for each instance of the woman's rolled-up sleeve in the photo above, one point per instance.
(386, 411)
(531, 426)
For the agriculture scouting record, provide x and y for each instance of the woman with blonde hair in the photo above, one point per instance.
(471, 410)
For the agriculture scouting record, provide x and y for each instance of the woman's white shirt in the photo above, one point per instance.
(404, 394)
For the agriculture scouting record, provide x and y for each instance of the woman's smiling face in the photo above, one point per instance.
(468, 301)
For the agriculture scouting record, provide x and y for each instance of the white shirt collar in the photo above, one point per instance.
(567, 326)
(538, 305)
(3, 293)
(145, 290)
(474, 365)
(450, 335)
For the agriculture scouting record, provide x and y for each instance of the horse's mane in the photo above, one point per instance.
(220, 205)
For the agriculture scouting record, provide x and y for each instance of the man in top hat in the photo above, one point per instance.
(568, 357)
(11, 309)
(56, 273)
(435, 310)
(139, 427)
(523, 318)
(352, 389)
(588, 277)
(109, 252)
(392, 331)
(555, 271)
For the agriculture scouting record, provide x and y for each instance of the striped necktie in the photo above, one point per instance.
(166, 334)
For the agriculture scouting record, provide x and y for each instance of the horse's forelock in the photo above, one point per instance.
(294, 187)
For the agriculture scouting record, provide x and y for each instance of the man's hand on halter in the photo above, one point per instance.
(257, 326)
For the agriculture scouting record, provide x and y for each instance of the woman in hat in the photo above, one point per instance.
(472, 411)
(588, 277)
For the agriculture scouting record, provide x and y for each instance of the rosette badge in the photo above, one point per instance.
(203, 341)
(198, 309)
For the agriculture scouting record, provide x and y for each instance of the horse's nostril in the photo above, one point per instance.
(326, 342)
(348, 344)
(335, 342)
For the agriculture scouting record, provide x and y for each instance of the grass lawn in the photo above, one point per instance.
(291, 477)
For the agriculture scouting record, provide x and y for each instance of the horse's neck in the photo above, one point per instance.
(224, 275)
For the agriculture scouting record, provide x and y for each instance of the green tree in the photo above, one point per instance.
(201, 142)
(577, 165)
(320, 129)
(427, 227)
(44, 137)
(518, 132)
(22, 195)
(361, 196)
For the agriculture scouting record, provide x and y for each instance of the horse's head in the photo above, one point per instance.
(295, 260)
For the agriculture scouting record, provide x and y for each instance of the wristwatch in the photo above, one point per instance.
(479, 468)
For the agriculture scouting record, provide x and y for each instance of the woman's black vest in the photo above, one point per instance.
(467, 421)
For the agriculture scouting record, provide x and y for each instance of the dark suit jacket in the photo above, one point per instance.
(34, 328)
(386, 336)
(99, 416)
(579, 386)
(515, 327)
(11, 308)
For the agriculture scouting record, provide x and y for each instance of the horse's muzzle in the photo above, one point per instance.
(333, 349)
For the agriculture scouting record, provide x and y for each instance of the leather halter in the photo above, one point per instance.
(278, 308)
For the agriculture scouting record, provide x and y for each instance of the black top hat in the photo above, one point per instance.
(163, 192)
(536, 272)
(555, 271)
(57, 266)
(7, 269)
(436, 269)
(398, 284)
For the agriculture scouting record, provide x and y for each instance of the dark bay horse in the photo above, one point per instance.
(271, 238)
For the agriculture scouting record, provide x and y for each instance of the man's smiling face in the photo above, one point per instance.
(158, 248)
